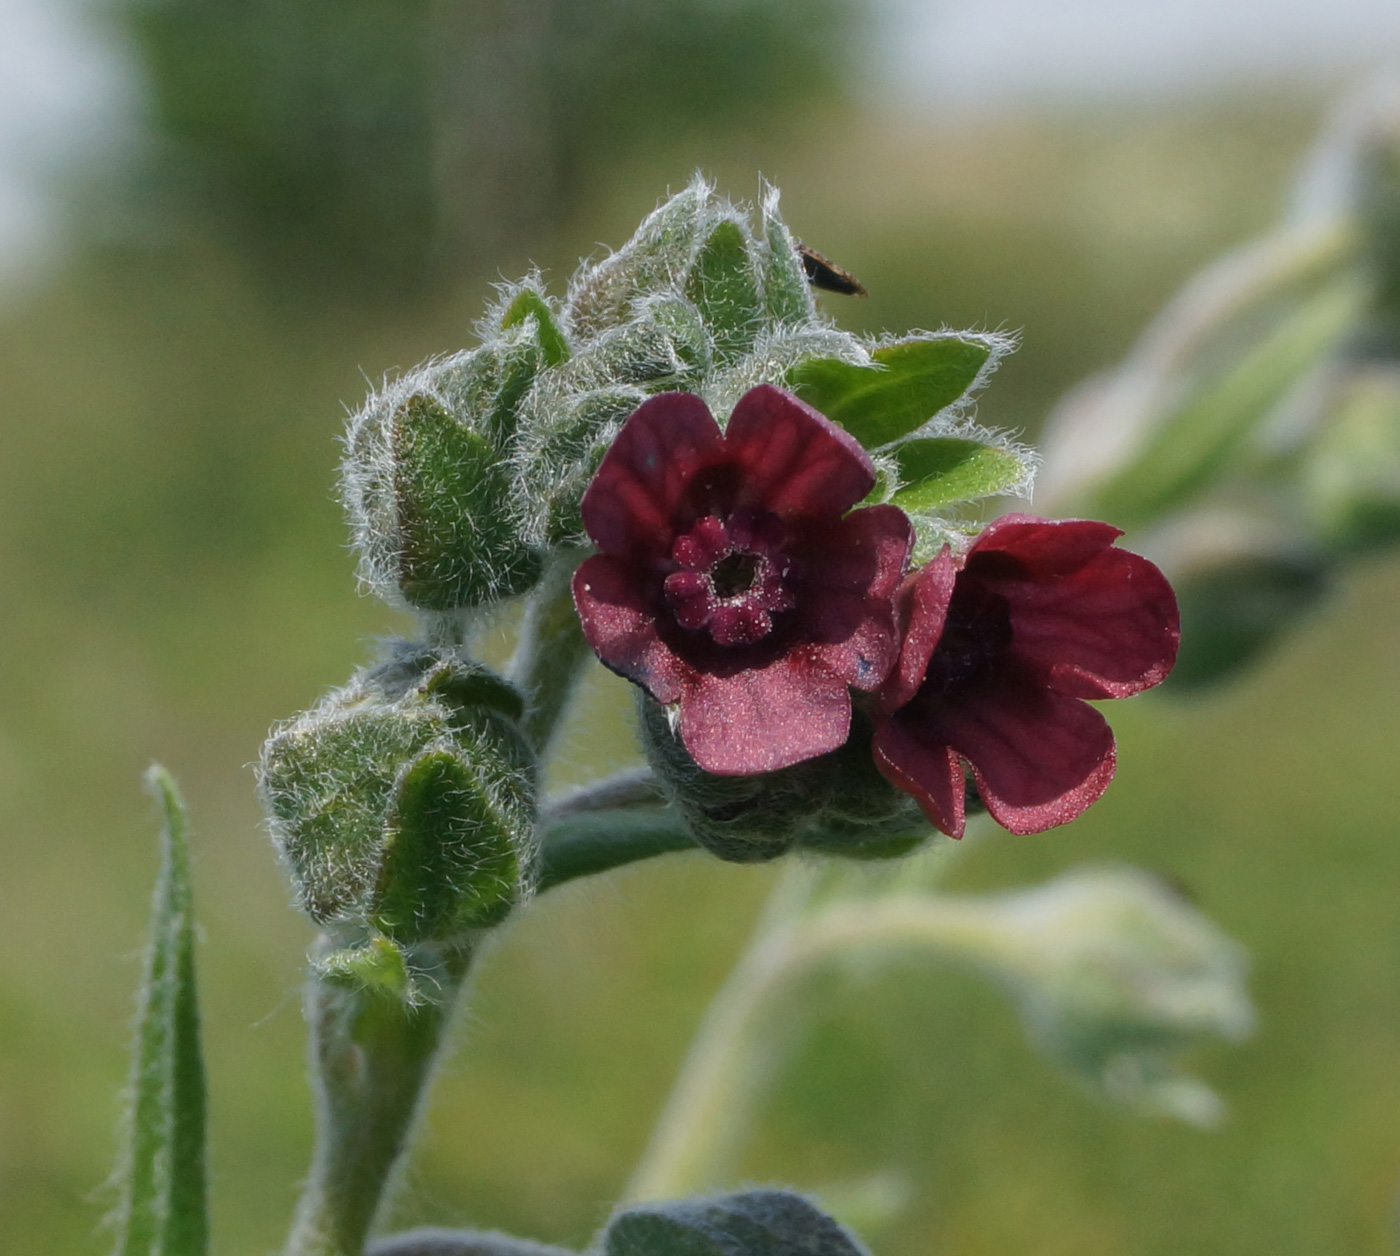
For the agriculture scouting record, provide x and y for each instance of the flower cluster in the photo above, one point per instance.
(737, 586)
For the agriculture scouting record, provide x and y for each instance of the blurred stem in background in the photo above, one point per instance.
(386, 143)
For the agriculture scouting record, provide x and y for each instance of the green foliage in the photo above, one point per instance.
(432, 1241)
(942, 471)
(164, 1209)
(906, 384)
(530, 304)
(755, 1223)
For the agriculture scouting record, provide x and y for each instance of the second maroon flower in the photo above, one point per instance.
(731, 580)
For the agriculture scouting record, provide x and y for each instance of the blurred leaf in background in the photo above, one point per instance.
(389, 140)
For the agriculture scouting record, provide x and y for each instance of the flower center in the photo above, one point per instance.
(735, 573)
(731, 578)
(976, 634)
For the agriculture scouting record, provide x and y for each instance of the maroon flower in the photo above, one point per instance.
(733, 582)
(998, 652)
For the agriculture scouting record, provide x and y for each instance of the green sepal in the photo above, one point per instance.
(752, 1223)
(164, 1204)
(908, 384)
(944, 470)
(458, 541)
(654, 260)
(787, 296)
(377, 966)
(1196, 444)
(450, 860)
(722, 287)
(837, 803)
(528, 303)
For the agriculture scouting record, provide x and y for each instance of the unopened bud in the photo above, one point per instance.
(405, 801)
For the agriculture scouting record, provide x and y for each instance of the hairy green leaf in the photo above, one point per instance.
(910, 383)
(754, 1223)
(943, 470)
(164, 1205)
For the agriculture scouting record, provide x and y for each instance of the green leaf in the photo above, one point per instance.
(721, 284)
(787, 297)
(1194, 446)
(754, 1223)
(942, 470)
(529, 304)
(163, 1210)
(910, 383)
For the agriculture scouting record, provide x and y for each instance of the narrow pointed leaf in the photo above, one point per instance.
(528, 304)
(721, 284)
(940, 471)
(910, 383)
(164, 1206)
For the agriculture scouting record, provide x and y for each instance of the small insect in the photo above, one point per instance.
(827, 275)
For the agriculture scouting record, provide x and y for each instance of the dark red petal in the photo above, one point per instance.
(764, 718)
(1039, 758)
(628, 509)
(923, 606)
(1108, 630)
(1044, 548)
(797, 463)
(919, 764)
(854, 570)
(621, 630)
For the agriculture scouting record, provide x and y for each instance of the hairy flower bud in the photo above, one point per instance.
(427, 480)
(404, 802)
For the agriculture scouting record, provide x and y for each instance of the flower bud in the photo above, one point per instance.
(836, 803)
(404, 802)
(1116, 975)
(427, 483)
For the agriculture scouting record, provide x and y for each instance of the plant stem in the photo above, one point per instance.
(371, 1059)
(550, 651)
(814, 911)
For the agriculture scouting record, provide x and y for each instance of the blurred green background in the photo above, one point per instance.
(324, 193)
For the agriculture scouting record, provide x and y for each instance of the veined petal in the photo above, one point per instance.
(760, 719)
(1039, 758)
(796, 462)
(1043, 548)
(922, 604)
(854, 574)
(914, 760)
(1107, 630)
(622, 629)
(629, 507)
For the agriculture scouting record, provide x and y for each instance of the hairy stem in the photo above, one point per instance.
(550, 652)
(815, 910)
(372, 1057)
